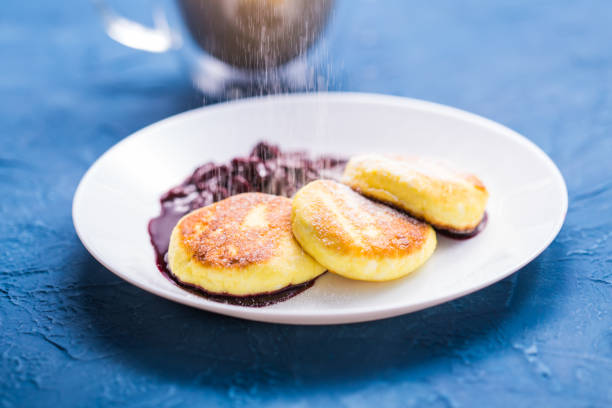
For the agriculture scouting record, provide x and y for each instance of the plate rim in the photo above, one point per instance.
(317, 317)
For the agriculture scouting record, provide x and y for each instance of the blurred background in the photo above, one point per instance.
(489, 58)
(73, 334)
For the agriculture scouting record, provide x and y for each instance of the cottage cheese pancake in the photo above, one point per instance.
(426, 188)
(240, 246)
(356, 237)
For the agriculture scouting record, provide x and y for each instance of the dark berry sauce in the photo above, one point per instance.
(455, 234)
(266, 169)
(261, 300)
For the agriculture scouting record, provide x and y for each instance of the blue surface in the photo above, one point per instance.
(73, 334)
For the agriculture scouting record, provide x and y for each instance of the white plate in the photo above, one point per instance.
(120, 193)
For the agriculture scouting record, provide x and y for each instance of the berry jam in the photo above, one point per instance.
(454, 234)
(266, 169)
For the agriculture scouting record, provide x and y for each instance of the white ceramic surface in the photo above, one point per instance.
(120, 193)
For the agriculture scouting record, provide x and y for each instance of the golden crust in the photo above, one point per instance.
(356, 237)
(240, 246)
(354, 224)
(221, 234)
(428, 189)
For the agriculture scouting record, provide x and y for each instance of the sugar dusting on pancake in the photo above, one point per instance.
(353, 223)
(429, 189)
(355, 237)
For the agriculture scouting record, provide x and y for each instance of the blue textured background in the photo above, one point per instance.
(73, 334)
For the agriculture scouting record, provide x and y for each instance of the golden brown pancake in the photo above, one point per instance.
(429, 189)
(355, 237)
(240, 246)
